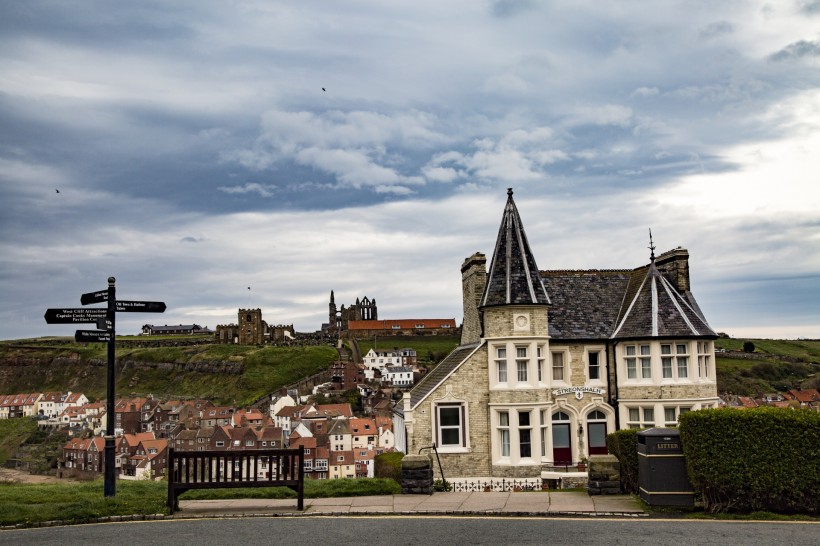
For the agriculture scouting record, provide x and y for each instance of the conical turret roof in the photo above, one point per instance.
(513, 277)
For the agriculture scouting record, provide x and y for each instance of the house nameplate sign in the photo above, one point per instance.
(578, 391)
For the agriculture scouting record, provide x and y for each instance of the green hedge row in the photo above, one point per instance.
(755, 459)
(624, 445)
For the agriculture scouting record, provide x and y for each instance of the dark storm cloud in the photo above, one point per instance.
(197, 154)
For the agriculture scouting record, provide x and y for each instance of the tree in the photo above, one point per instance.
(748, 347)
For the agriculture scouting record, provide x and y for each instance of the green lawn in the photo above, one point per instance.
(81, 502)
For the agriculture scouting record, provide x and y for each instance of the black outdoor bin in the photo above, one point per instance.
(662, 477)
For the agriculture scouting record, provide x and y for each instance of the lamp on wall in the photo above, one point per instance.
(580, 429)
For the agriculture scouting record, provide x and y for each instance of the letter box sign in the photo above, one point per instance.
(667, 443)
(578, 391)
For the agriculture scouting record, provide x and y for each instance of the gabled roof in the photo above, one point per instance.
(443, 370)
(513, 277)
(654, 308)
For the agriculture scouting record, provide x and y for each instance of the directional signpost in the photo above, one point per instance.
(104, 319)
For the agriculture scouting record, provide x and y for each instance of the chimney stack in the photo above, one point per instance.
(473, 281)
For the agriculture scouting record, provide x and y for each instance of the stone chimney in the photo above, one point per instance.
(674, 265)
(473, 281)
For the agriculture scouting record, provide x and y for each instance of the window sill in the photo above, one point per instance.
(453, 450)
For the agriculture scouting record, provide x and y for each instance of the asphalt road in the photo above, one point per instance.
(421, 530)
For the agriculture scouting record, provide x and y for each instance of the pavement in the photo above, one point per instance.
(521, 504)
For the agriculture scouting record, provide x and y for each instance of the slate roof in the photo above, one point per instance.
(585, 304)
(513, 277)
(654, 308)
(430, 381)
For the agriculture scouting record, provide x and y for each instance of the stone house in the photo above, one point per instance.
(552, 361)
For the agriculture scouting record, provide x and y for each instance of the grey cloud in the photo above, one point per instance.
(810, 6)
(263, 190)
(717, 28)
(797, 50)
(509, 8)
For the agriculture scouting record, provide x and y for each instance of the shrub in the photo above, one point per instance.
(624, 445)
(388, 465)
(748, 347)
(762, 459)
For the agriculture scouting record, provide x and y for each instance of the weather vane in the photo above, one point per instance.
(651, 246)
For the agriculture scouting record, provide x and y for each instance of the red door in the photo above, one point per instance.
(596, 438)
(561, 444)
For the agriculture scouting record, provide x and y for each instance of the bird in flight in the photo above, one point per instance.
(58, 191)
(323, 89)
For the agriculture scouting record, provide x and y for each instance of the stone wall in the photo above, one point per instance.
(417, 474)
(604, 475)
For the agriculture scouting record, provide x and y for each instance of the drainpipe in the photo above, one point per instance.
(614, 402)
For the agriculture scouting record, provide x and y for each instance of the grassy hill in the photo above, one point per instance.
(775, 365)
(189, 371)
(59, 364)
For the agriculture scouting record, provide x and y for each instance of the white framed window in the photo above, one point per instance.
(524, 434)
(671, 414)
(504, 433)
(451, 426)
(558, 366)
(501, 364)
(640, 416)
(646, 362)
(704, 359)
(540, 356)
(513, 436)
(544, 431)
(682, 356)
(594, 365)
(666, 361)
(522, 363)
(631, 362)
(638, 360)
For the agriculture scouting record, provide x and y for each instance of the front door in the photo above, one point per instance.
(596, 433)
(597, 438)
(561, 440)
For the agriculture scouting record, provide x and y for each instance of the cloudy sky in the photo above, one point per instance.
(204, 147)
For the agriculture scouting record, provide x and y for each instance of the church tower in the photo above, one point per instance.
(332, 316)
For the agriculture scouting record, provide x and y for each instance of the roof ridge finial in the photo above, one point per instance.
(509, 192)
(651, 246)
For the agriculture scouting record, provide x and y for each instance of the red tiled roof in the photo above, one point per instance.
(402, 324)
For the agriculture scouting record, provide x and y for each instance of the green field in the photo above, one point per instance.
(429, 350)
(778, 365)
(61, 366)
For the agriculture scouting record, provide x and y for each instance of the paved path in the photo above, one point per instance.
(477, 503)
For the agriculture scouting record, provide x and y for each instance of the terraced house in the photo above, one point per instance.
(551, 361)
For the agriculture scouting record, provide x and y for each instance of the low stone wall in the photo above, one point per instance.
(604, 475)
(417, 474)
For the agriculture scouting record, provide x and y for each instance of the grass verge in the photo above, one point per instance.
(77, 502)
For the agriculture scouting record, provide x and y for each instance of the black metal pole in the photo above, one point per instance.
(110, 483)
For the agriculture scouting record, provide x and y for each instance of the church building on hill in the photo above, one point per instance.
(552, 361)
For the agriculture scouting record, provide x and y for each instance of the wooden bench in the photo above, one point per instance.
(242, 468)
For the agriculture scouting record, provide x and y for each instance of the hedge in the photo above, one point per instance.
(624, 445)
(754, 459)
(388, 465)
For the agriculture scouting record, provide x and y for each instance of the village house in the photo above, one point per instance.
(150, 459)
(551, 361)
(368, 329)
